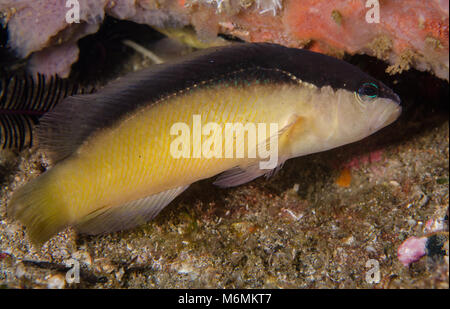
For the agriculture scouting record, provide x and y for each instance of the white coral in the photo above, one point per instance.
(269, 6)
(264, 6)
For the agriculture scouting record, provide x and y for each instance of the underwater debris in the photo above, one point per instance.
(345, 178)
(189, 37)
(433, 245)
(337, 17)
(57, 281)
(411, 250)
(272, 6)
(142, 50)
(230, 6)
(406, 59)
(381, 47)
(435, 43)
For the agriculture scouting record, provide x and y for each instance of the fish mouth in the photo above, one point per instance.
(387, 115)
(394, 97)
(388, 93)
(391, 112)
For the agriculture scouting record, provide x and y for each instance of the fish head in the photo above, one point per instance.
(363, 110)
(346, 106)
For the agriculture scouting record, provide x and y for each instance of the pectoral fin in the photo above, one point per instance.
(243, 174)
(237, 176)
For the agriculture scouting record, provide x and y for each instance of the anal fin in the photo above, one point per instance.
(128, 215)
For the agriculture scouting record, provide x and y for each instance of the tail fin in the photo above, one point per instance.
(34, 205)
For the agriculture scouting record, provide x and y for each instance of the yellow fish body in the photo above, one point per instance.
(114, 150)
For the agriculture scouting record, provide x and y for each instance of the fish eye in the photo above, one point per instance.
(367, 92)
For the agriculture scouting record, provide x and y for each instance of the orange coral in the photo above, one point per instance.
(345, 178)
(336, 26)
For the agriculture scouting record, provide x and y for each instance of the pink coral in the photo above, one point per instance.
(411, 250)
(410, 33)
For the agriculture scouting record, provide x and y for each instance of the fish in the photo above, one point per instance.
(122, 154)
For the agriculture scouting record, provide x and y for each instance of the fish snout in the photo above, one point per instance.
(388, 114)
